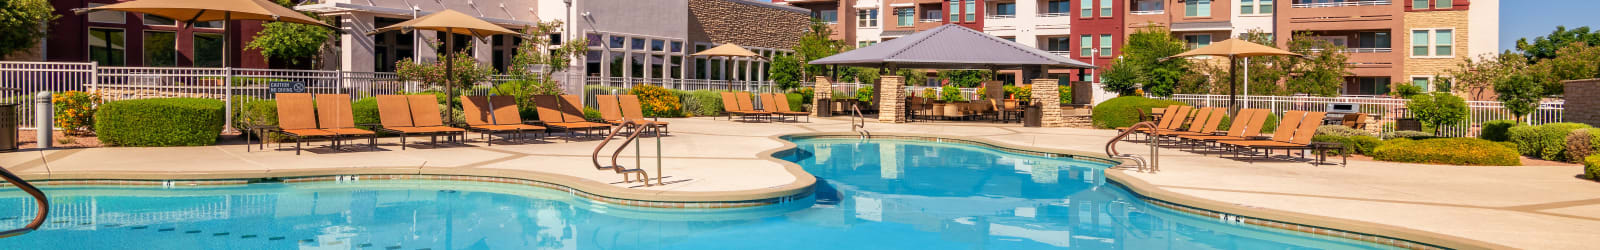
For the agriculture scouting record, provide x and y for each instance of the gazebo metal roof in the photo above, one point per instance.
(951, 47)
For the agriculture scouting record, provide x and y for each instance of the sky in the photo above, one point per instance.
(1535, 18)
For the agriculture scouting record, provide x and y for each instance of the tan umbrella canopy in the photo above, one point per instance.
(449, 22)
(1234, 49)
(190, 11)
(729, 51)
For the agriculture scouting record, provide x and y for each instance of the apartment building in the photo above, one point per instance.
(114, 38)
(1437, 32)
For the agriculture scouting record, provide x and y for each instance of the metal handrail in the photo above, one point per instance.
(1155, 157)
(639, 129)
(38, 198)
(862, 125)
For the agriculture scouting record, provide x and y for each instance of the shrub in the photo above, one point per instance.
(864, 94)
(1578, 145)
(806, 95)
(1024, 93)
(1338, 130)
(1407, 134)
(592, 115)
(365, 111)
(701, 102)
(795, 101)
(1452, 151)
(1121, 111)
(75, 111)
(930, 93)
(1065, 93)
(1359, 144)
(1591, 167)
(250, 111)
(1438, 110)
(657, 101)
(1496, 130)
(1548, 141)
(951, 94)
(160, 122)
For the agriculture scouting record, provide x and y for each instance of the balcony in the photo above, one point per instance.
(1056, 14)
(1148, 12)
(1361, 50)
(1062, 53)
(996, 17)
(930, 20)
(1342, 4)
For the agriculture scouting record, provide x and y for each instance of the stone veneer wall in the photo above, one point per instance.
(822, 90)
(892, 100)
(1050, 107)
(1583, 96)
(747, 23)
(1432, 66)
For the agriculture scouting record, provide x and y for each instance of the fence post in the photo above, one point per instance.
(94, 77)
(43, 119)
(227, 100)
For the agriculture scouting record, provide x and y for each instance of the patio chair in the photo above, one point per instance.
(1204, 124)
(1355, 121)
(1301, 139)
(632, 110)
(1284, 132)
(769, 102)
(334, 114)
(1163, 122)
(610, 111)
(297, 118)
(398, 114)
(747, 105)
(730, 107)
(552, 114)
(783, 106)
(1246, 126)
(480, 116)
(508, 114)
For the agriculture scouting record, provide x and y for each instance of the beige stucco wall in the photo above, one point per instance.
(1418, 66)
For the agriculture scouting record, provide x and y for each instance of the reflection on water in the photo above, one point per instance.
(890, 195)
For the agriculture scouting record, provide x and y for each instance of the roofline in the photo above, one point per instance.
(776, 6)
(335, 8)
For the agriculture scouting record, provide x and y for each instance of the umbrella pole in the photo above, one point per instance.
(227, 18)
(449, 75)
(1233, 82)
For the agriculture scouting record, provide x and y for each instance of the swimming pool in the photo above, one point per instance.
(885, 194)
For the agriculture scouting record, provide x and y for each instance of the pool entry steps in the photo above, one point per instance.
(637, 127)
(1154, 163)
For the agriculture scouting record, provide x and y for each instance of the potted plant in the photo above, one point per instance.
(937, 108)
(953, 99)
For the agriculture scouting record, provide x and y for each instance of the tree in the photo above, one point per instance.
(1519, 93)
(22, 24)
(1121, 77)
(815, 44)
(538, 58)
(300, 45)
(1438, 109)
(467, 71)
(785, 72)
(1267, 71)
(1572, 62)
(966, 78)
(1546, 47)
(1147, 49)
(1322, 73)
(1476, 77)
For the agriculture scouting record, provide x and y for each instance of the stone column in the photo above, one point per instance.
(891, 99)
(1046, 95)
(822, 90)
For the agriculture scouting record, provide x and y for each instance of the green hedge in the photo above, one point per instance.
(1547, 141)
(1591, 167)
(701, 102)
(1121, 111)
(1340, 130)
(160, 122)
(1359, 144)
(796, 101)
(1452, 151)
(1497, 130)
(1407, 134)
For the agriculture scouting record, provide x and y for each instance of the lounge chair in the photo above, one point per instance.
(297, 118)
(783, 106)
(1284, 132)
(481, 116)
(769, 102)
(747, 104)
(632, 110)
(610, 110)
(1204, 124)
(335, 115)
(1301, 139)
(1244, 127)
(730, 107)
(553, 114)
(1163, 122)
(398, 114)
(507, 113)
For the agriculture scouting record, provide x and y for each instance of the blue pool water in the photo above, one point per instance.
(883, 195)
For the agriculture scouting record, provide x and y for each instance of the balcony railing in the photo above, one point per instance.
(1361, 50)
(1056, 14)
(1148, 12)
(1065, 53)
(1342, 4)
(1000, 17)
(930, 20)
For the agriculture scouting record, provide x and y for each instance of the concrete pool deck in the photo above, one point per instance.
(1538, 207)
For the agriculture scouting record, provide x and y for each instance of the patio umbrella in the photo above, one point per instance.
(729, 51)
(449, 22)
(190, 11)
(1234, 49)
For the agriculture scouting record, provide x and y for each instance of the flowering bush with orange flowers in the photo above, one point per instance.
(657, 101)
(75, 111)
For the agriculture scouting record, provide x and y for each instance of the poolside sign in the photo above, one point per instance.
(286, 87)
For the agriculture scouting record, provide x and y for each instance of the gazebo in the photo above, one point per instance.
(951, 47)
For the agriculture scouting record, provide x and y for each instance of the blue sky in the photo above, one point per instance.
(1531, 18)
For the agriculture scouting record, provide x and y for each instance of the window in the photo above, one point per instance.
(107, 16)
(955, 11)
(211, 24)
(1105, 8)
(867, 18)
(1419, 4)
(106, 46)
(155, 20)
(617, 42)
(1432, 43)
(1441, 84)
(1009, 38)
(1058, 44)
(1252, 7)
(1421, 82)
(658, 45)
(905, 16)
(1368, 86)
(1150, 6)
(1372, 40)
(1058, 7)
(972, 10)
(160, 48)
(827, 16)
(677, 46)
(1005, 9)
(1085, 46)
(1197, 8)
(207, 50)
(637, 44)
(1085, 8)
(1443, 4)
(1105, 45)
(932, 14)
(860, 44)
(1197, 41)
(1264, 7)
